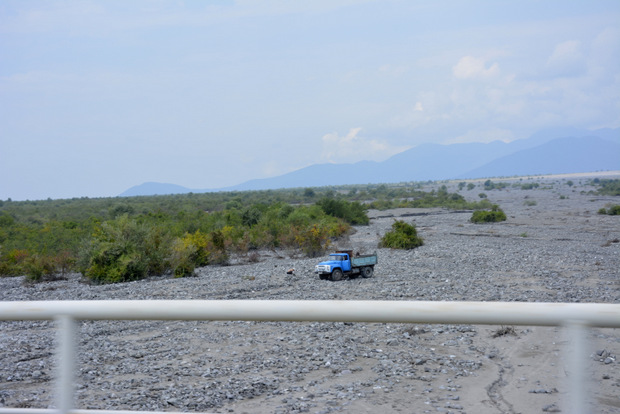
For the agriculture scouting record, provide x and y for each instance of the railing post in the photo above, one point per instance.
(66, 355)
(576, 331)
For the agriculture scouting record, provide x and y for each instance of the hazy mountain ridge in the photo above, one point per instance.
(563, 155)
(543, 153)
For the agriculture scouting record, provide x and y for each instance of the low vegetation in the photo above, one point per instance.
(613, 210)
(607, 187)
(402, 236)
(490, 185)
(419, 199)
(134, 239)
(123, 239)
(488, 216)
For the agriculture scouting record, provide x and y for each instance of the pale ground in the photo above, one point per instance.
(532, 368)
(522, 373)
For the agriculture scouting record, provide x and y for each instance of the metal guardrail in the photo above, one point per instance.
(575, 316)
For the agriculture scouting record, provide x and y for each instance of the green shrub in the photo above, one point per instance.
(613, 210)
(14, 262)
(352, 212)
(402, 236)
(189, 252)
(6, 220)
(608, 187)
(44, 268)
(490, 185)
(484, 216)
(124, 249)
(252, 215)
(313, 240)
(40, 268)
(183, 257)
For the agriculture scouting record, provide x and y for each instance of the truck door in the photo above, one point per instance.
(346, 263)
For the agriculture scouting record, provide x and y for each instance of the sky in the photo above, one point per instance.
(99, 96)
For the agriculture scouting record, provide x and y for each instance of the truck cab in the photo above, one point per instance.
(337, 261)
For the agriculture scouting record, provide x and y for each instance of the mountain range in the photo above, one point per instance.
(546, 152)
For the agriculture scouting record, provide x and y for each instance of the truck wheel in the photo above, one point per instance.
(336, 275)
(367, 272)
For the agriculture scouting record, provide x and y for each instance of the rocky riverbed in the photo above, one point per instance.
(554, 247)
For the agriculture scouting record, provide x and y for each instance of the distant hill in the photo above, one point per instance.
(317, 175)
(152, 188)
(543, 153)
(564, 155)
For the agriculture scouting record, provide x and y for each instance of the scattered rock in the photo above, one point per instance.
(327, 367)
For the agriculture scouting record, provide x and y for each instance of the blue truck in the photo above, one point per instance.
(344, 263)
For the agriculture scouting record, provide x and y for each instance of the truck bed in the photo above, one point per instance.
(365, 260)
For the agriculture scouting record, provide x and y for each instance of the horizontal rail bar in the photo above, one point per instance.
(475, 313)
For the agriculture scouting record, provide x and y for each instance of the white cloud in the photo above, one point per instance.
(567, 59)
(353, 148)
(469, 67)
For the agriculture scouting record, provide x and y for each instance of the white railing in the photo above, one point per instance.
(575, 316)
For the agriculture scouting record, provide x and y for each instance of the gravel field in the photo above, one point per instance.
(554, 247)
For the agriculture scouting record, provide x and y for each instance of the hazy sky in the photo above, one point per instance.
(99, 96)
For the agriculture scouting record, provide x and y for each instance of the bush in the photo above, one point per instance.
(490, 185)
(122, 250)
(402, 236)
(608, 187)
(484, 216)
(189, 252)
(612, 211)
(313, 240)
(13, 263)
(351, 212)
(40, 268)
(182, 259)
